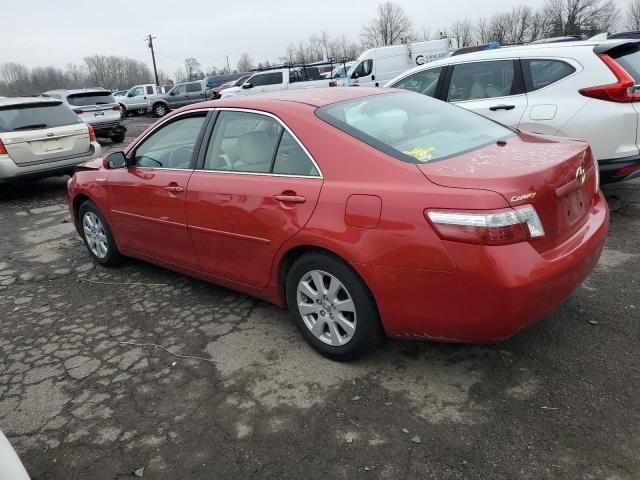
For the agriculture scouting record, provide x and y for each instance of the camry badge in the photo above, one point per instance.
(581, 175)
(519, 198)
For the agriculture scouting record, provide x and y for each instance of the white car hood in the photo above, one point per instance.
(231, 92)
(10, 466)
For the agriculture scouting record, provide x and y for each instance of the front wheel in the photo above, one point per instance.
(97, 235)
(332, 307)
(160, 110)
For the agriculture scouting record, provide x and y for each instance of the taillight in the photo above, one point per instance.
(92, 134)
(624, 171)
(78, 111)
(623, 91)
(3, 149)
(116, 107)
(499, 227)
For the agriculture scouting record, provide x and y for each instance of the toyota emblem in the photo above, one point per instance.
(581, 175)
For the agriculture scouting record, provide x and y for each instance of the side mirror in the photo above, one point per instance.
(114, 160)
(130, 94)
(355, 75)
(247, 85)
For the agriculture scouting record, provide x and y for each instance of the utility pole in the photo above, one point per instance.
(153, 56)
(228, 67)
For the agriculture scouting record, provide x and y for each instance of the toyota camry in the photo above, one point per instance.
(365, 212)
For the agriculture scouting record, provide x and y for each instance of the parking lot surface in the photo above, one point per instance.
(104, 372)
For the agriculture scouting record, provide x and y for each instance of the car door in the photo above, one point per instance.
(256, 186)
(176, 97)
(136, 98)
(147, 198)
(194, 93)
(491, 88)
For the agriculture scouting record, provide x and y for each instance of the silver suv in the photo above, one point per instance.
(41, 137)
(97, 107)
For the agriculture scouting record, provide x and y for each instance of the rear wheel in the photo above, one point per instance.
(160, 110)
(332, 307)
(123, 111)
(119, 138)
(97, 235)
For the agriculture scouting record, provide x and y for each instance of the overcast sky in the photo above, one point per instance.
(56, 32)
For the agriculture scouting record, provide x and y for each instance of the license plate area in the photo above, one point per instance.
(51, 145)
(573, 207)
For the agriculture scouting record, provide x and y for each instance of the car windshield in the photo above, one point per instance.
(90, 98)
(35, 116)
(413, 128)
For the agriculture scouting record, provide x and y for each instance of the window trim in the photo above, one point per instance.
(209, 135)
(528, 77)
(130, 154)
(517, 85)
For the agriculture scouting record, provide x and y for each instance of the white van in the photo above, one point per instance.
(377, 66)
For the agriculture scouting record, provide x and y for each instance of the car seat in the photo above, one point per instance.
(255, 151)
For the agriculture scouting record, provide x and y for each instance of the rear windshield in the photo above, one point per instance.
(35, 116)
(412, 127)
(90, 98)
(631, 64)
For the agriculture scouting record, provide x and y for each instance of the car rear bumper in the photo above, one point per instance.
(619, 169)
(495, 291)
(108, 129)
(10, 172)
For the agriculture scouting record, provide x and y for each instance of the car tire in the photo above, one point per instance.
(160, 110)
(97, 235)
(342, 322)
(119, 138)
(124, 111)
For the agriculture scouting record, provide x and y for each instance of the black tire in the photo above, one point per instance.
(125, 112)
(113, 256)
(368, 331)
(160, 110)
(119, 138)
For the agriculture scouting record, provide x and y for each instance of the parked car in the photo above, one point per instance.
(96, 107)
(180, 95)
(215, 91)
(139, 97)
(582, 90)
(377, 66)
(41, 137)
(278, 79)
(215, 81)
(461, 230)
(11, 467)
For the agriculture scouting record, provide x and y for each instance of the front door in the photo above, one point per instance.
(177, 96)
(256, 188)
(137, 98)
(494, 89)
(148, 198)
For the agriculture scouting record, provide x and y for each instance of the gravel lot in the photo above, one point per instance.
(84, 396)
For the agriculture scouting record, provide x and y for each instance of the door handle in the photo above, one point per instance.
(174, 189)
(502, 107)
(290, 198)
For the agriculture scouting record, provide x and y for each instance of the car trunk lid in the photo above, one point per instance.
(556, 176)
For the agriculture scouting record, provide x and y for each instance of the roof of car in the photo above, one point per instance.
(64, 91)
(8, 102)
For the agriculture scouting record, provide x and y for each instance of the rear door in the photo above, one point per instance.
(194, 93)
(38, 132)
(492, 88)
(255, 188)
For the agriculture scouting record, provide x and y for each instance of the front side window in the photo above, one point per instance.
(424, 82)
(137, 91)
(172, 145)
(364, 69)
(274, 78)
(478, 80)
(413, 128)
(179, 89)
(194, 87)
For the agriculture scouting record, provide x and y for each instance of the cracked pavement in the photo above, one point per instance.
(85, 393)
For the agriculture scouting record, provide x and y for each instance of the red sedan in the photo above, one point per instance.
(364, 211)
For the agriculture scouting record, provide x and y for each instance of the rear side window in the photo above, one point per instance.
(631, 64)
(149, 90)
(194, 87)
(413, 128)
(546, 72)
(90, 98)
(424, 82)
(36, 116)
(291, 159)
(478, 80)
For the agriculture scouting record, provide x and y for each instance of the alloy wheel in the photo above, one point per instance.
(95, 235)
(327, 308)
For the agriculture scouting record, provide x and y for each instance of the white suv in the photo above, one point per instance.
(41, 137)
(585, 90)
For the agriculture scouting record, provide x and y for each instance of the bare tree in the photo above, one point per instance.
(483, 30)
(245, 64)
(191, 68)
(581, 17)
(462, 30)
(633, 15)
(521, 18)
(499, 27)
(540, 26)
(391, 26)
